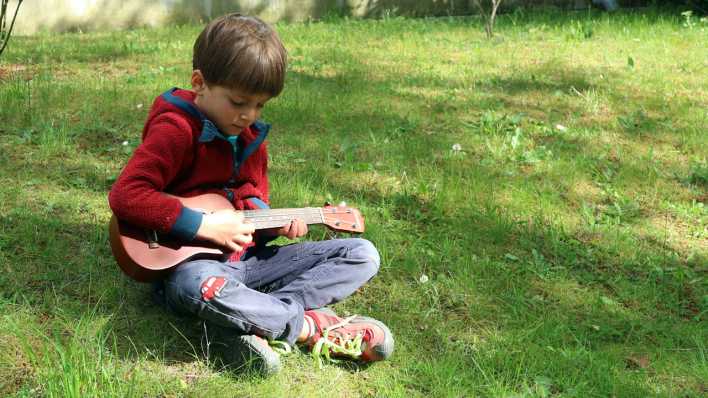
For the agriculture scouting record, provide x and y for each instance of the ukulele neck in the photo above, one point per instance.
(276, 218)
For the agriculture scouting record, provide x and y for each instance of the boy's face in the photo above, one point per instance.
(232, 110)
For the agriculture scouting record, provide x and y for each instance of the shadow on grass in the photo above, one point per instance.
(70, 266)
(603, 270)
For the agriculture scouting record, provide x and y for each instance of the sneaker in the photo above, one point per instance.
(245, 352)
(356, 337)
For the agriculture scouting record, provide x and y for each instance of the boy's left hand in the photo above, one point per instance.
(295, 229)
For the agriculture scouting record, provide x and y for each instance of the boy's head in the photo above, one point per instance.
(239, 64)
(242, 52)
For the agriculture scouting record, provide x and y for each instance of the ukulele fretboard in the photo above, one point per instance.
(275, 218)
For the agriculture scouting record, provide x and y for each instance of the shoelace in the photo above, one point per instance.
(324, 347)
(280, 347)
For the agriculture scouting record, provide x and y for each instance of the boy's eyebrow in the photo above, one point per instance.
(246, 97)
(233, 95)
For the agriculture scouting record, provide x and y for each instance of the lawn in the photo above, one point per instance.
(539, 202)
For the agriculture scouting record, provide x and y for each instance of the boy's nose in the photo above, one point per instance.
(249, 116)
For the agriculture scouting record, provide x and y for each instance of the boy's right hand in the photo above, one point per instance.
(226, 228)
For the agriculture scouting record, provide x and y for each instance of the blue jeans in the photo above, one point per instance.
(267, 292)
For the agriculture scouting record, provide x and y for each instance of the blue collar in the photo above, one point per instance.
(209, 129)
(211, 132)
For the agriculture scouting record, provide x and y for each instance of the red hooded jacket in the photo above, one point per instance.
(182, 153)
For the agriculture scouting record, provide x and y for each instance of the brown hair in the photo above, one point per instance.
(241, 52)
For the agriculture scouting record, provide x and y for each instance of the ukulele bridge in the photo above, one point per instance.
(152, 240)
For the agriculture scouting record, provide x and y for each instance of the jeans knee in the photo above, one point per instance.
(364, 249)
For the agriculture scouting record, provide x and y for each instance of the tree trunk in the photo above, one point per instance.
(489, 16)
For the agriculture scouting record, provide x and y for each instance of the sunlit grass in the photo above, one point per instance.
(538, 201)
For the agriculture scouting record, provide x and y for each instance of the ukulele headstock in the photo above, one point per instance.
(342, 218)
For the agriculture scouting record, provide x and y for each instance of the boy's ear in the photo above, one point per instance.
(198, 83)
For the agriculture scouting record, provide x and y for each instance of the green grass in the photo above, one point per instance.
(550, 184)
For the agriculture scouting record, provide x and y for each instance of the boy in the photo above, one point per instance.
(209, 140)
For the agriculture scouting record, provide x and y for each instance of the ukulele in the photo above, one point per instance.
(147, 256)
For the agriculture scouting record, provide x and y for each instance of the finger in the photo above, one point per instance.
(249, 227)
(232, 246)
(287, 227)
(292, 230)
(301, 228)
(243, 238)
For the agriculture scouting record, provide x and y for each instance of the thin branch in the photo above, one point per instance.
(3, 11)
(6, 37)
(489, 17)
(495, 6)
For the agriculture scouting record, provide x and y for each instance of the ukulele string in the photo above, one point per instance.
(270, 218)
(281, 213)
(273, 218)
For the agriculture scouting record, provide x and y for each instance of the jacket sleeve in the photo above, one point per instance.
(138, 197)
